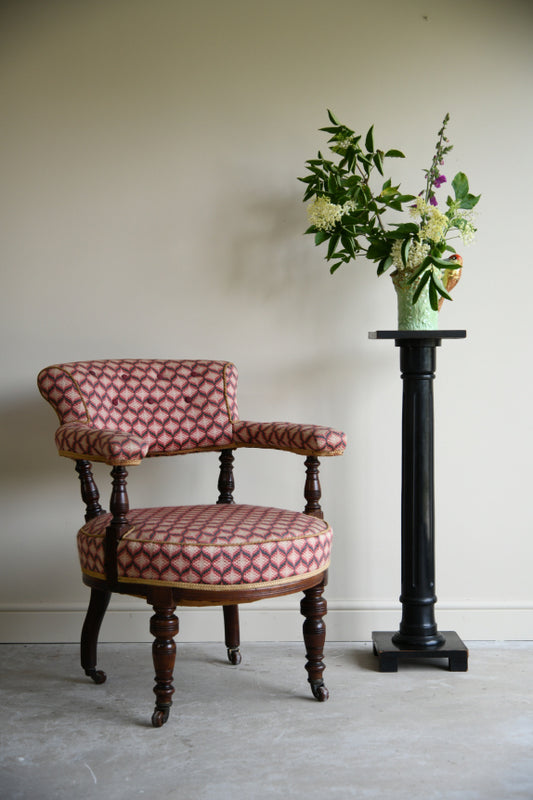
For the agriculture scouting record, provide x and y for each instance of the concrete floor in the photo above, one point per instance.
(254, 731)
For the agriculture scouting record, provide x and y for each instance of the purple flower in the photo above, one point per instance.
(433, 200)
(439, 181)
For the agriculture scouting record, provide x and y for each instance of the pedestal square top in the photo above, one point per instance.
(417, 335)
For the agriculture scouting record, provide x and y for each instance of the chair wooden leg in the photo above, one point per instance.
(89, 634)
(232, 633)
(314, 608)
(164, 626)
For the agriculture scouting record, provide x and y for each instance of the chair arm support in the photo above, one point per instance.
(307, 440)
(77, 440)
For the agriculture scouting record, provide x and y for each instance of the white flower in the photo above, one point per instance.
(323, 214)
(421, 208)
(417, 253)
(464, 222)
(436, 227)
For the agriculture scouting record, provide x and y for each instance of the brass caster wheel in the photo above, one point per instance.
(319, 691)
(97, 675)
(159, 717)
(234, 655)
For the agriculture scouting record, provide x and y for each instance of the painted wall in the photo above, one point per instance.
(150, 207)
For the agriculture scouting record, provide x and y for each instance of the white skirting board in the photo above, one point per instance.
(264, 621)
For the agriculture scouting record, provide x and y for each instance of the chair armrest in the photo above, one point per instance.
(80, 441)
(307, 440)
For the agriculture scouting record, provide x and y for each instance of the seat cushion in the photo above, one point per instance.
(210, 546)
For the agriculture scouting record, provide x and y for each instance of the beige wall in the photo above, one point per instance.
(150, 207)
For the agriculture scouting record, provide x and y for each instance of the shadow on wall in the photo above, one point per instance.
(28, 447)
(268, 258)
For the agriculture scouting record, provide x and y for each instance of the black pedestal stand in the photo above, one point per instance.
(418, 636)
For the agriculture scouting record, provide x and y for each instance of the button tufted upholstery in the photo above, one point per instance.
(122, 410)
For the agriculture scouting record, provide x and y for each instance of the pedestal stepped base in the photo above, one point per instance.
(389, 654)
(418, 636)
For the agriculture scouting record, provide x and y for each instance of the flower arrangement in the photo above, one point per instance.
(353, 217)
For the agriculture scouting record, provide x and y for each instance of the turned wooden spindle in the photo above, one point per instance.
(226, 487)
(312, 490)
(314, 607)
(164, 625)
(226, 481)
(119, 507)
(89, 490)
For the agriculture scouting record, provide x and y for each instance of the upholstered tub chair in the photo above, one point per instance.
(123, 411)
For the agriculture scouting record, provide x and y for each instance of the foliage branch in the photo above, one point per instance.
(352, 214)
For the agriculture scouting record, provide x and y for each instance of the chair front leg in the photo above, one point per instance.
(89, 634)
(314, 608)
(164, 626)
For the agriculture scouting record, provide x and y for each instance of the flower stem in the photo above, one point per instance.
(440, 152)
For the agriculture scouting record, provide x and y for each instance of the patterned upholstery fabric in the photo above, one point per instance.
(171, 406)
(304, 439)
(122, 410)
(113, 447)
(210, 546)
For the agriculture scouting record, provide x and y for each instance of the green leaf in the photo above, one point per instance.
(333, 118)
(443, 263)
(378, 249)
(333, 183)
(378, 161)
(332, 245)
(439, 286)
(403, 230)
(369, 141)
(321, 236)
(460, 186)
(422, 268)
(348, 244)
(405, 227)
(394, 154)
(335, 267)
(384, 265)
(418, 291)
(470, 201)
(433, 297)
(404, 250)
(367, 163)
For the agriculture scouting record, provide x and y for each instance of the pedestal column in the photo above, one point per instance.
(418, 634)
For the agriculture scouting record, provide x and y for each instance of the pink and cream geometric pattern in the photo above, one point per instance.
(172, 406)
(113, 447)
(304, 439)
(210, 546)
(123, 410)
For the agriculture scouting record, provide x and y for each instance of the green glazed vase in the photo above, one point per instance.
(417, 317)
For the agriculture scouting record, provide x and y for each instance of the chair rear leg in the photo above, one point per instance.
(89, 634)
(314, 608)
(164, 625)
(232, 633)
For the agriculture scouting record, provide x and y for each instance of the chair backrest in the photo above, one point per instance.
(176, 405)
